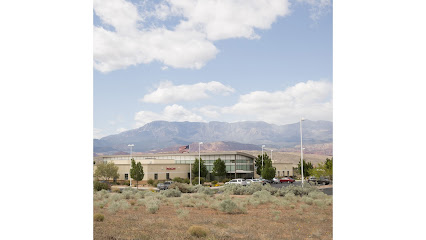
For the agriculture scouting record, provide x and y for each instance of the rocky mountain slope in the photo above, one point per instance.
(159, 135)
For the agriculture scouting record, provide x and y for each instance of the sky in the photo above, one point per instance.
(211, 60)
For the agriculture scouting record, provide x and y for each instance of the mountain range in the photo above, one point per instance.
(248, 135)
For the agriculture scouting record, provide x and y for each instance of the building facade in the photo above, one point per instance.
(168, 166)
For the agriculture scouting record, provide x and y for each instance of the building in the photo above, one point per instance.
(283, 169)
(168, 166)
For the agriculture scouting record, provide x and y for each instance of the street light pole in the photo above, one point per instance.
(262, 154)
(130, 145)
(199, 162)
(301, 148)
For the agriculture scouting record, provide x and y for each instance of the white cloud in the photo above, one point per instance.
(170, 113)
(189, 44)
(179, 49)
(312, 100)
(212, 112)
(164, 68)
(169, 93)
(223, 19)
(97, 133)
(318, 7)
(119, 130)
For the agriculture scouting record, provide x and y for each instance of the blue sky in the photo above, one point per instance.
(165, 60)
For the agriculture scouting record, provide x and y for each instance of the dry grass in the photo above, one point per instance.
(280, 219)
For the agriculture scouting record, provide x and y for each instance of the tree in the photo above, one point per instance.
(219, 168)
(258, 162)
(318, 171)
(106, 171)
(323, 169)
(268, 171)
(203, 168)
(329, 168)
(136, 172)
(307, 167)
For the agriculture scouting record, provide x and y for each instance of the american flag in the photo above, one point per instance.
(184, 149)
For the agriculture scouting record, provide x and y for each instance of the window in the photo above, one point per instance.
(155, 176)
(167, 176)
(278, 173)
(126, 176)
(288, 173)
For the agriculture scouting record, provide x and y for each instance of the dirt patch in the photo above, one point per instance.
(264, 221)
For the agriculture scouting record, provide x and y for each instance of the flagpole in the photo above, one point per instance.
(190, 169)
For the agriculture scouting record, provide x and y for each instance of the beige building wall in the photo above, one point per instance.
(159, 167)
(283, 169)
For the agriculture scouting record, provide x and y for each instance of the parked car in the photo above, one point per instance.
(324, 181)
(287, 180)
(267, 181)
(261, 181)
(312, 180)
(164, 186)
(248, 181)
(237, 181)
(275, 180)
(321, 180)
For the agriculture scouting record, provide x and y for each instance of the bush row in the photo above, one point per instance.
(235, 189)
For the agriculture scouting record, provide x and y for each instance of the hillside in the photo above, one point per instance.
(162, 135)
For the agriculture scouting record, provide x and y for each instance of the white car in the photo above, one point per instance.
(275, 180)
(237, 181)
(257, 181)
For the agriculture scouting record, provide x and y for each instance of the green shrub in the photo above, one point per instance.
(155, 183)
(150, 181)
(115, 197)
(104, 193)
(296, 190)
(98, 186)
(214, 182)
(126, 182)
(226, 180)
(198, 231)
(183, 187)
(320, 202)
(201, 204)
(228, 206)
(98, 217)
(307, 200)
(263, 196)
(187, 181)
(140, 202)
(182, 213)
(205, 190)
(113, 207)
(127, 194)
(171, 192)
(317, 195)
(100, 204)
(195, 181)
(139, 194)
(178, 179)
(124, 204)
(152, 204)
